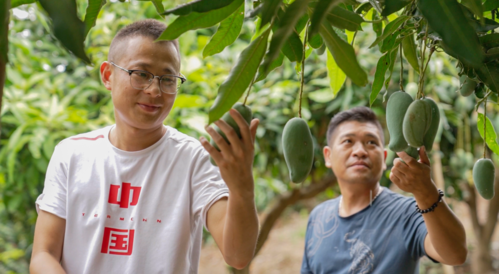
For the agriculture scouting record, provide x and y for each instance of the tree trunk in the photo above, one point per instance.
(282, 202)
(481, 261)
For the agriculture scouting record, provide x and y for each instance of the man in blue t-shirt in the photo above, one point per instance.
(370, 229)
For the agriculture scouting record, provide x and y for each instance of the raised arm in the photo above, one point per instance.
(233, 222)
(47, 245)
(446, 239)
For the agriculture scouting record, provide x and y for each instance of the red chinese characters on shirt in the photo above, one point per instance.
(127, 190)
(118, 241)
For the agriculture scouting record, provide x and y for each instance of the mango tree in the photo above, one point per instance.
(405, 29)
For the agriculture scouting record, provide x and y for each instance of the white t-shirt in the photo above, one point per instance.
(131, 212)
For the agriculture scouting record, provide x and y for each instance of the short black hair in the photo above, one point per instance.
(359, 114)
(146, 28)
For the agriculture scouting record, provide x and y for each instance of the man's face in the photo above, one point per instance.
(356, 154)
(141, 109)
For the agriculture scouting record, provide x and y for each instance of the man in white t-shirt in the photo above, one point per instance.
(133, 197)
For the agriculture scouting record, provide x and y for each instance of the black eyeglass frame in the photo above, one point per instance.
(182, 77)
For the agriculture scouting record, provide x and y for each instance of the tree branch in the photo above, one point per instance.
(287, 199)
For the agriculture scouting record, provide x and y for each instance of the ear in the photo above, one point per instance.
(385, 152)
(327, 153)
(105, 74)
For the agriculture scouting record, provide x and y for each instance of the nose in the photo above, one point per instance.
(154, 90)
(359, 150)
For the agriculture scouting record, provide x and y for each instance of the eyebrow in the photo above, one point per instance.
(146, 65)
(354, 135)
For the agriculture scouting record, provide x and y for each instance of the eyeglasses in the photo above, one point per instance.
(142, 80)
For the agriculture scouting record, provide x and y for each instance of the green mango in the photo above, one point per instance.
(483, 176)
(435, 122)
(416, 123)
(245, 111)
(468, 86)
(413, 152)
(397, 105)
(298, 148)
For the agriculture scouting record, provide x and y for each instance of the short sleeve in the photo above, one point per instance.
(415, 229)
(305, 268)
(53, 197)
(206, 184)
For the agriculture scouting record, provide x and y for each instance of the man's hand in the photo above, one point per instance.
(233, 223)
(446, 239)
(415, 177)
(235, 160)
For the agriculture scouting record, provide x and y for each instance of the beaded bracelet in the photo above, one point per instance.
(432, 208)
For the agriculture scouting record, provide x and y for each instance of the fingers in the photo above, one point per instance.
(243, 125)
(217, 138)
(406, 158)
(424, 156)
(231, 134)
(253, 129)
(214, 153)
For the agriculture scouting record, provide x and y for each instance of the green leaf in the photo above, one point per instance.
(199, 6)
(320, 11)
(475, 6)
(275, 64)
(336, 76)
(390, 28)
(393, 59)
(4, 34)
(392, 6)
(345, 19)
(158, 4)
(344, 55)
(286, 27)
(315, 41)
(379, 76)
(197, 20)
(269, 9)
(239, 78)
(17, 3)
(293, 48)
(378, 26)
(489, 74)
(490, 5)
(489, 41)
(447, 19)
(227, 33)
(410, 53)
(492, 54)
(364, 7)
(390, 42)
(66, 25)
(491, 140)
(93, 9)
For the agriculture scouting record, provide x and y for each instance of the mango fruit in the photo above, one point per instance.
(397, 105)
(468, 86)
(298, 148)
(433, 128)
(416, 123)
(413, 152)
(245, 111)
(483, 176)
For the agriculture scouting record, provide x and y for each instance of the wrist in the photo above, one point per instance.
(427, 198)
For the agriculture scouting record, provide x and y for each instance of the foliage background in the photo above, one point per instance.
(50, 95)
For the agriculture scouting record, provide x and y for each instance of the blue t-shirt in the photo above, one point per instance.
(386, 237)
